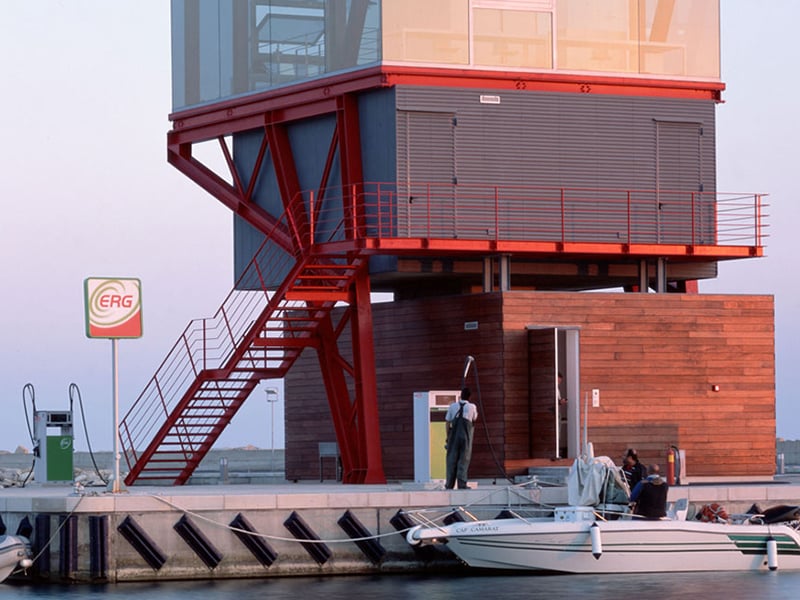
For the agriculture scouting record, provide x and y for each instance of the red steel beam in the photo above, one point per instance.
(553, 82)
(367, 426)
(544, 249)
(366, 392)
(349, 135)
(181, 158)
(313, 98)
(288, 181)
(333, 375)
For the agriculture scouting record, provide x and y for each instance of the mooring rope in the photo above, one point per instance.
(273, 537)
(411, 513)
(52, 537)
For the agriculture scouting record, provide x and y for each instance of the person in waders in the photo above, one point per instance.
(460, 419)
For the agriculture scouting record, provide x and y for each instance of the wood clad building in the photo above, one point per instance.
(655, 359)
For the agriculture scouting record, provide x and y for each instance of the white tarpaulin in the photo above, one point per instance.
(593, 481)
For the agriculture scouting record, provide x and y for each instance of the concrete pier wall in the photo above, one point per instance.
(69, 549)
(77, 537)
(71, 553)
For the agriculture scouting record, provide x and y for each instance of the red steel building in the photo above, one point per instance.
(489, 163)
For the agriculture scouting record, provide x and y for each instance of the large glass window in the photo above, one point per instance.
(653, 37)
(680, 38)
(226, 48)
(598, 36)
(426, 31)
(512, 38)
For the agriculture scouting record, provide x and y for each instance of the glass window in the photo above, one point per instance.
(655, 37)
(680, 38)
(433, 31)
(597, 36)
(226, 48)
(512, 38)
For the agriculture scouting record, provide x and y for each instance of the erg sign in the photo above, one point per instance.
(113, 307)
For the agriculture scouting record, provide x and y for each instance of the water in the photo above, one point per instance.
(694, 586)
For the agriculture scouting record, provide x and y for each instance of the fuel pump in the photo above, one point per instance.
(53, 453)
(430, 434)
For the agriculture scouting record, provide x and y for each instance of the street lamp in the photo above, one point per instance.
(272, 398)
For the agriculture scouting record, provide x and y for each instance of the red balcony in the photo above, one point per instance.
(435, 218)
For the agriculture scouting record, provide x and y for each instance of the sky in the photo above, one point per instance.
(86, 191)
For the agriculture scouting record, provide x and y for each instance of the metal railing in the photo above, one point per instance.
(538, 214)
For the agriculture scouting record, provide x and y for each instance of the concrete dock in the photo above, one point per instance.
(275, 528)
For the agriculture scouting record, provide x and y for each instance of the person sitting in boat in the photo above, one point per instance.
(632, 469)
(650, 495)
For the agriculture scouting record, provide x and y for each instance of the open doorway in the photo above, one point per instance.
(554, 424)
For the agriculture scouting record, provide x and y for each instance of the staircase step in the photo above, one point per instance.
(333, 266)
(318, 295)
(289, 343)
(323, 277)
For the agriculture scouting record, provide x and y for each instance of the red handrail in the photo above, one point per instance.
(389, 211)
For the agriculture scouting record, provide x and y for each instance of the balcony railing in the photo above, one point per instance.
(434, 211)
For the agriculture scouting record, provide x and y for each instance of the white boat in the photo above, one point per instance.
(15, 553)
(590, 536)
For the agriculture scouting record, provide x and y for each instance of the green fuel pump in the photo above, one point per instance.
(54, 453)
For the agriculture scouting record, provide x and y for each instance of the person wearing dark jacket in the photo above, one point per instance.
(650, 495)
(633, 470)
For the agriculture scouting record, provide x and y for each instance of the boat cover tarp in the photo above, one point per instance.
(593, 481)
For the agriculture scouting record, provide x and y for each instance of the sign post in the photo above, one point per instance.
(113, 311)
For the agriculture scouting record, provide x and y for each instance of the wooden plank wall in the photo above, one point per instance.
(654, 357)
(539, 422)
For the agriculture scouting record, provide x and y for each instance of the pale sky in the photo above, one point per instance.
(86, 191)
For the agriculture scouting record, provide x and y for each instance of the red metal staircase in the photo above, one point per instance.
(258, 333)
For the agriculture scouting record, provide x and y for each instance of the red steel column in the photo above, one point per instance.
(369, 442)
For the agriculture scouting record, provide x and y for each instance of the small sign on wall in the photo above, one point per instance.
(113, 307)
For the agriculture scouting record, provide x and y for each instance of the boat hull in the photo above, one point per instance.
(14, 553)
(625, 546)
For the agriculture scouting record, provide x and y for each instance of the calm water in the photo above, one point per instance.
(694, 586)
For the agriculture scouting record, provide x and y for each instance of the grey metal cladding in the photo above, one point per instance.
(552, 139)
(376, 113)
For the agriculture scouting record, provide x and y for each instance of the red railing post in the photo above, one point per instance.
(496, 214)
(311, 217)
(378, 211)
(757, 219)
(630, 241)
(428, 233)
(353, 209)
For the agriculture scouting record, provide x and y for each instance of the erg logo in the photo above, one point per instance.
(115, 300)
(113, 307)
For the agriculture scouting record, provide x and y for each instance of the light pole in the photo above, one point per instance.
(272, 398)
